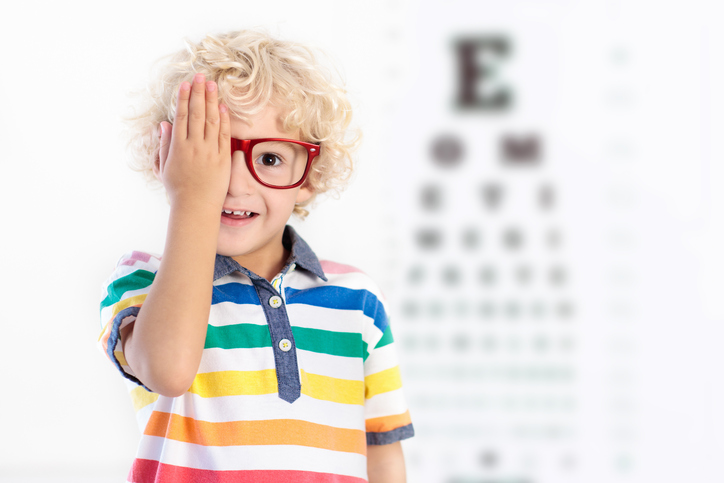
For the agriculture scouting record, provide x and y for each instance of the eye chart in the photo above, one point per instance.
(548, 163)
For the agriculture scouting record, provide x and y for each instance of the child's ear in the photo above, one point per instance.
(164, 138)
(304, 194)
(156, 170)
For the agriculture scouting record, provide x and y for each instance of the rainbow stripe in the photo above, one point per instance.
(231, 425)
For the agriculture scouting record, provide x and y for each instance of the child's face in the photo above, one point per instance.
(256, 241)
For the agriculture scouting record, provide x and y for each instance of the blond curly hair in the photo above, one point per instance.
(253, 70)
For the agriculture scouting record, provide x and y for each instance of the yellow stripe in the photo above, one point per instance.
(104, 330)
(129, 302)
(121, 358)
(123, 304)
(327, 388)
(235, 383)
(142, 398)
(254, 383)
(383, 381)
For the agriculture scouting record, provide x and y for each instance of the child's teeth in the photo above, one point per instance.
(238, 213)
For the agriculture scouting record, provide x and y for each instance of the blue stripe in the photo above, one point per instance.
(341, 298)
(238, 293)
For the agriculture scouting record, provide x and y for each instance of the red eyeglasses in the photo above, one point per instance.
(275, 162)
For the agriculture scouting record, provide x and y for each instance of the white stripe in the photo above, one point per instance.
(121, 271)
(335, 320)
(281, 457)
(230, 313)
(233, 277)
(385, 404)
(264, 407)
(254, 359)
(144, 414)
(351, 280)
(380, 359)
(340, 367)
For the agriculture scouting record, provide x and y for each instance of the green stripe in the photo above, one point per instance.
(137, 280)
(365, 352)
(238, 336)
(386, 338)
(345, 344)
(249, 336)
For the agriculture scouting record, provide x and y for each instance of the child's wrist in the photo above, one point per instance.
(196, 207)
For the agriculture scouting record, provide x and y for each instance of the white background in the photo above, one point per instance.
(70, 206)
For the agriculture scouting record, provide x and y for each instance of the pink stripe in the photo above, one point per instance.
(335, 268)
(149, 471)
(136, 257)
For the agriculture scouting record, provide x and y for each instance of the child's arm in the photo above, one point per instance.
(164, 345)
(385, 463)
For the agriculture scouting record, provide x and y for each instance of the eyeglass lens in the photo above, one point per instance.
(279, 163)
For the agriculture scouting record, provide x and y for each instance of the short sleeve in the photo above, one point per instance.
(122, 297)
(387, 418)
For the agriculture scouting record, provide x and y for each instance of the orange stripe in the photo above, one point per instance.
(388, 423)
(272, 432)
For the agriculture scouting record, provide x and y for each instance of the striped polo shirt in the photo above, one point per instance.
(297, 376)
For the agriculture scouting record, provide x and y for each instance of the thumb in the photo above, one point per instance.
(165, 141)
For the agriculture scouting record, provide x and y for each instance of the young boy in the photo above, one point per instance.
(247, 358)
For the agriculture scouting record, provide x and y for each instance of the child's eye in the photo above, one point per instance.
(269, 159)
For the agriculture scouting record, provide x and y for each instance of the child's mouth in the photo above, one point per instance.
(237, 215)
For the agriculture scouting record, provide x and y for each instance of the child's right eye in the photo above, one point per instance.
(269, 159)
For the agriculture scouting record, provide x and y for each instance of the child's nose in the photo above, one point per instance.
(241, 181)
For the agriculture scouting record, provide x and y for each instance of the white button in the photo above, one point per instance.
(276, 302)
(285, 345)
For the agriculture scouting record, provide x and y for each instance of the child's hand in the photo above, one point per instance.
(195, 154)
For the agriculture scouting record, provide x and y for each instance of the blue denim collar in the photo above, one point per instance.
(300, 254)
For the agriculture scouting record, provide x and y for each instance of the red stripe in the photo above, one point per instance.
(149, 471)
(136, 257)
(337, 268)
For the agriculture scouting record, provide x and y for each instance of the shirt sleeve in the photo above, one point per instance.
(387, 418)
(123, 294)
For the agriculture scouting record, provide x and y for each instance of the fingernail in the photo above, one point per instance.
(162, 131)
(199, 78)
(222, 109)
(185, 86)
(211, 86)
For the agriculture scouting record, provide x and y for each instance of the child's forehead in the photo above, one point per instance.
(267, 123)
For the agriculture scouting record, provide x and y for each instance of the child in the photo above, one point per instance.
(247, 358)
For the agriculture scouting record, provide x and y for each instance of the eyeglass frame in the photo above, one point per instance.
(247, 145)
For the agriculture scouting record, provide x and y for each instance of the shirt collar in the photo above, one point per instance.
(300, 254)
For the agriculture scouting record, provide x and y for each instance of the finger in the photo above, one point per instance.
(211, 129)
(224, 132)
(165, 134)
(197, 108)
(181, 120)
